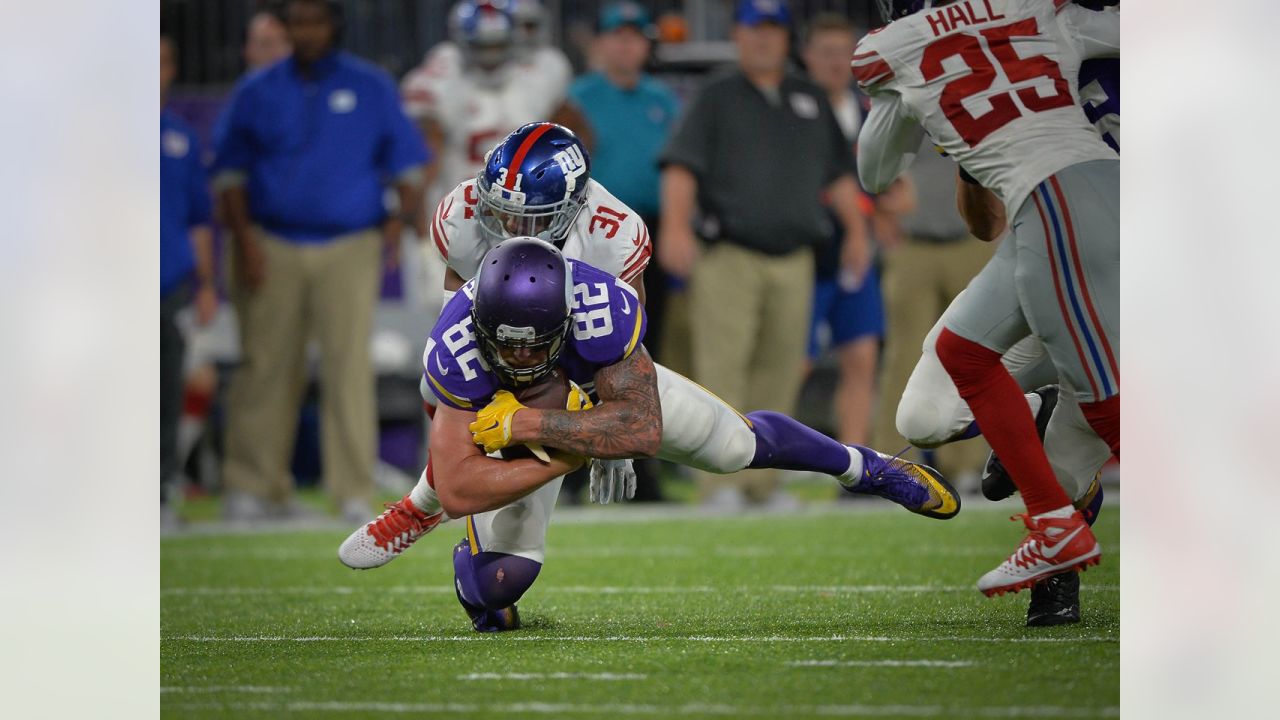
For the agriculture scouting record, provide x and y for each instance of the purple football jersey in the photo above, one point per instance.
(608, 325)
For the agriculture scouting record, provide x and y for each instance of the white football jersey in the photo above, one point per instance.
(606, 234)
(990, 82)
(474, 110)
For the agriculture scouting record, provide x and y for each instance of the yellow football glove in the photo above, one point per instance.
(492, 427)
(578, 398)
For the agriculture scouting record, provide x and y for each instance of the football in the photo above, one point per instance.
(551, 393)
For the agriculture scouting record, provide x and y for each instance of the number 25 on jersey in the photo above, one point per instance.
(973, 129)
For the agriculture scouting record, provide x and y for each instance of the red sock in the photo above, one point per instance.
(1104, 418)
(1001, 411)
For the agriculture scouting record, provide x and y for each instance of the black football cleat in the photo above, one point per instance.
(490, 621)
(996, 483)
(1055, 601)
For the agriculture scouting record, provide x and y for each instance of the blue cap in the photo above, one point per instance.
(623, 14)
(754, 12)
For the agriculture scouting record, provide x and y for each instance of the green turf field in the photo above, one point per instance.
(838, 614)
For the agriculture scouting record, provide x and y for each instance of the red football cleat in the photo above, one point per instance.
(1053, 545)
(391, 533)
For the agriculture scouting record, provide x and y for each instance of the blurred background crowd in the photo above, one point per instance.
(304, 145)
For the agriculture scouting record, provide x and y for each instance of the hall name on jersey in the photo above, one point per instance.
(957, 15)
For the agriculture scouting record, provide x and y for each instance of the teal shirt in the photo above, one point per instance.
(630, 127)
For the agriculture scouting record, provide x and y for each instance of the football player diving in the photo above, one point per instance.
(531, 316)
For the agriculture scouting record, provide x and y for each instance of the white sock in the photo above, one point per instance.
(1035, 401)
(853, 475)
(1060, 514)
(424, 496)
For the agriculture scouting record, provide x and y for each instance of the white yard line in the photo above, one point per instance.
(253, 689)
(611, 709)
(553, 676)
(640, 638)
(595, 589)
(881, 663)
(206, 552)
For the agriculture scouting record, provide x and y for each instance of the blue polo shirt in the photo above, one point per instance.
(318, 151)
(184, 200)
(630, 127)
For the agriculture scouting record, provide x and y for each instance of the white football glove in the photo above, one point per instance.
(612, 481)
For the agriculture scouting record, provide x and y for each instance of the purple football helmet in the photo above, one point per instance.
(522, 306)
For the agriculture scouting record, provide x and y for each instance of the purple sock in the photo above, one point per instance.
(785, 444)
(492, 580)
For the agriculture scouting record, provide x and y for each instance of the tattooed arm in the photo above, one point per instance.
(626, 424)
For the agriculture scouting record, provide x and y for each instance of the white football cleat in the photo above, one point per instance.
(391, 533)
(1052, 546)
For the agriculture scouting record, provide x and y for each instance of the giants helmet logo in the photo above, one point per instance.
(574, 166)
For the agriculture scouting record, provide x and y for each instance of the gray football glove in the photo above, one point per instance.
(612, 481)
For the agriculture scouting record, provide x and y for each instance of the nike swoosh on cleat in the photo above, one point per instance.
(1051, 551)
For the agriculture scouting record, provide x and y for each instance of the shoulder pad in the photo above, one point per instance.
(608, 319)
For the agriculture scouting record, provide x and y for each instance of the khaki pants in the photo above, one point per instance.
(919, 281)
(676, 351)
(749, 321)
(326, 291)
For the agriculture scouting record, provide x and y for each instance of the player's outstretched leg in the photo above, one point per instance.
(1058, 538)
(784, 443)
(488, 585)
(382, 539)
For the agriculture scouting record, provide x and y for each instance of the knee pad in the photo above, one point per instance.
(923, 422)
(492, 580)
(699, 429)
(734, 444)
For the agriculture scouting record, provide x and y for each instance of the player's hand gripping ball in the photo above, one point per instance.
(492, 427)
